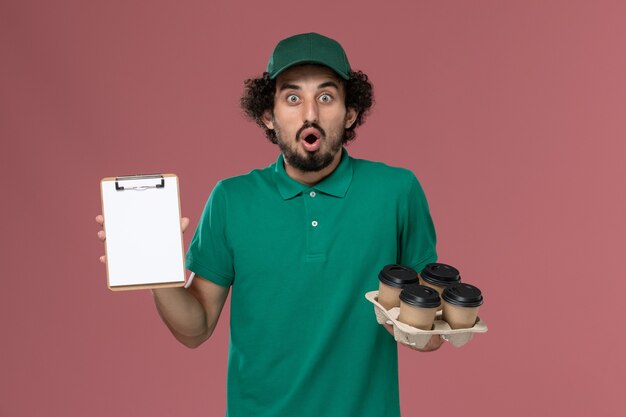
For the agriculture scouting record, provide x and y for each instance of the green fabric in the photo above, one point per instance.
(311, 48)
(303, 340)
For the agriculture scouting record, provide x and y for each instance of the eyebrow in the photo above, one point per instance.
(329, 84)
(288, 86)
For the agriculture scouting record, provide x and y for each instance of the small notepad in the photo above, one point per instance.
(144, 244)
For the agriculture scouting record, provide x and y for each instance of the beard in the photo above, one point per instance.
(310, 161)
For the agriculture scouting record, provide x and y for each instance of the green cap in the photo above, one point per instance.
(308, 48)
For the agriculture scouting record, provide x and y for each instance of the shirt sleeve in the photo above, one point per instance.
(417, 244)
(210, 255)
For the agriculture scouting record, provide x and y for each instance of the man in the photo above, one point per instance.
(300, 243)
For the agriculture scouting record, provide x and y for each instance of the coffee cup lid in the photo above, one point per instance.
(463, 295)
(440, 274)
(397, 276)
(420, 296)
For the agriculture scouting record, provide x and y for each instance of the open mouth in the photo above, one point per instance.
(310, 139)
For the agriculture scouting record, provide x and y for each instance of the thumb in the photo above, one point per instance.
(184, 222)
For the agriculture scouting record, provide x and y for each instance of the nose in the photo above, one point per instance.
(310, 111)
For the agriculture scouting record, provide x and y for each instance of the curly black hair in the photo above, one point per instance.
(258, 97)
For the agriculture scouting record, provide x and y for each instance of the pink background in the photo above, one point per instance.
(511, 113)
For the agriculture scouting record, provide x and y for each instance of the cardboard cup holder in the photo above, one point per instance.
(408, 335)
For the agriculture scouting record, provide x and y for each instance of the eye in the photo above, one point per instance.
(292, 98)
(326, 98)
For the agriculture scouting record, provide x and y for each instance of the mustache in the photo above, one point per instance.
(314, 125)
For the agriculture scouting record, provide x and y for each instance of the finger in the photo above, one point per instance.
(100, 219)
(103, 259)
(101, 235)
(184, 222)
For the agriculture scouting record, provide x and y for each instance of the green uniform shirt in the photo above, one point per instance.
(304, 341)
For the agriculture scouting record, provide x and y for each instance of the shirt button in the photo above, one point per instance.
(314, 223)
(312, 193)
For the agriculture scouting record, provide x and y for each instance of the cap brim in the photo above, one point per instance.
(308, 61)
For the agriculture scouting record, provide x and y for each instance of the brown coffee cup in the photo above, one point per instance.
(438, 276)
(392, 279)
(418, 306)
(460, 305)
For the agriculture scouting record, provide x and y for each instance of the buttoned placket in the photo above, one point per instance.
(314, 221)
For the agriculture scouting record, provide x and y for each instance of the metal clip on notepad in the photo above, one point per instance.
(160, 184)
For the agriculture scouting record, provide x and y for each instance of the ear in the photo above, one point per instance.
(268, 119)
(351, 115)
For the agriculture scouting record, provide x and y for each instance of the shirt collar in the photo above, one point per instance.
(336, 184)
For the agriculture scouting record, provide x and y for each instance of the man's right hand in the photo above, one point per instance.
(184, 222)
(191, 313)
